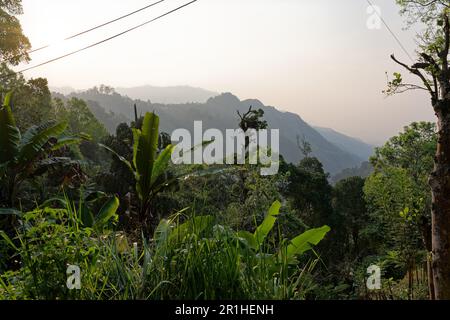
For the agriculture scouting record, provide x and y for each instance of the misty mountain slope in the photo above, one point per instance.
(177, 94)
(109, 118)
(62, 90)
(346, 143)
(221, 112)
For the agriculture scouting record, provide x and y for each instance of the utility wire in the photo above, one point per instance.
(89, 30)
(100, 42)
(391, 31)
(115, 20)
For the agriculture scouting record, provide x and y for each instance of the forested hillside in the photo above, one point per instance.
(167, 95)
(221, 112)
(352, 145)
(98, 203)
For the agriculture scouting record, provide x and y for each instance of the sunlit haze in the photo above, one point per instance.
(316, 58)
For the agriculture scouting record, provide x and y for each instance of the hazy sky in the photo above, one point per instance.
(316, 58)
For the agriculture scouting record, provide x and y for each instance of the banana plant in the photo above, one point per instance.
(84, 208)
(147, 166)
(169, 233)
(25, 156)
(294, 247)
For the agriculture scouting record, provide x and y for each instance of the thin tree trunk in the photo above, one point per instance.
(410, 281)
(426, 236)
(440, 186)
(430, 279)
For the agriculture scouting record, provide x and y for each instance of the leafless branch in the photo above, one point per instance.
(417, 73)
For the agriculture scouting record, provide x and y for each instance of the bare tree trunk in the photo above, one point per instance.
(410, 281)
(440, 186)
(430, 279)
(426, 237)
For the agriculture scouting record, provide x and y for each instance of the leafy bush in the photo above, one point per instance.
(196, 259)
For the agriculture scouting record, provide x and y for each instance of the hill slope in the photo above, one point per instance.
(178, 94)
(346, 143)
(220, 112)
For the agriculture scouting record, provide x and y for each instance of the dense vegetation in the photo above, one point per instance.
(140, 227)
(220, 112)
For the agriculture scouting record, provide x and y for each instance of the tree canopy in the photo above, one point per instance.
(14, 45)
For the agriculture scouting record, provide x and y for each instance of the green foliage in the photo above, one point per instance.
(398, 191)
(242, 206)
(424, 11)
(266, 226)
(398, 197)
(196, 259)
(304, 242)
(48, 241)
(350, 223)
(81, 122)
(394, 86)
(217, 266)
(85, 207)
(119, 179)
(309, 191)
(431, 42)
(79, 118)
(107, 212)
(413, 149)
(388, 194)
(252, 119)
(31, 102)
(12, 6)
(27, 156)
(349, 241)
(147, 167)
(13, 43)
(176, 255)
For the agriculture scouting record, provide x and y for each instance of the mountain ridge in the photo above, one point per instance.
(167, 95)
(347, 143)
(220, 112)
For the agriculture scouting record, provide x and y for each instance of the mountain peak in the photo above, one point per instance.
(220, 112)
(255, 103)
(225, 99)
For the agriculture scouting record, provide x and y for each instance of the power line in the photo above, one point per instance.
(100, 42)
(115, 20)
(391, 31)
(89, 30)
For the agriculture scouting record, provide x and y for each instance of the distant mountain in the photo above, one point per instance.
(108, 118)
(167, 95)
(220, 112)
(63, 90)
(346, 143)
(362, 171)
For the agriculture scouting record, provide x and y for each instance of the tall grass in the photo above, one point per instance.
(195, 259)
